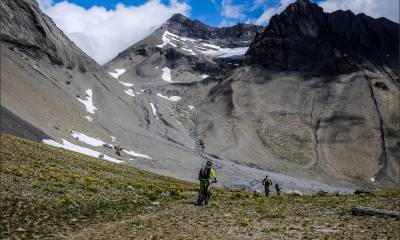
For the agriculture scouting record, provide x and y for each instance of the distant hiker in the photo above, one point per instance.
(267, 184)
(278, 189)
(207, 175)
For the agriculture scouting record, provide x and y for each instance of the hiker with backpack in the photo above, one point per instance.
(207, 176)
(267, 184)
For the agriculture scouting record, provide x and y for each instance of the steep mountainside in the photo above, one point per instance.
(320, 92)
(51, 89)
(24, 25)
(183, 95)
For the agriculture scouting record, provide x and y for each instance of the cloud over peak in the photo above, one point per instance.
(103, 33)
(374, 8)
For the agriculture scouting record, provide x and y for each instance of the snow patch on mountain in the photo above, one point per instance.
(126, 84)
(135, 154)
(86, 139)
(129, 92)
(76, 148)
(154, 109)
(89, 101)
(166, 75)
(218, 52)
(118, 72)
(172, 98)
(193, 46)
(89, 118)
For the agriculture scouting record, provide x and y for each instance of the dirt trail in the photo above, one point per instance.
(244, 217)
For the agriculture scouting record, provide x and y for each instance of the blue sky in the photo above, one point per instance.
(207, 11)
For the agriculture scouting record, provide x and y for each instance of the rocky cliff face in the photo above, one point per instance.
(23, 24)
(239, 35)
(303, 37)
(319, 92)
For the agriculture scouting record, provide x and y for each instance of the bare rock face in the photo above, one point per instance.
(239, 35)
(320, 93)
(25, 26)
(303, 37)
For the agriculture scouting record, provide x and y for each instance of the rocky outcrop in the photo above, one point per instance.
(305, 38)
(26, 27)
(320, 93)
(239, 35)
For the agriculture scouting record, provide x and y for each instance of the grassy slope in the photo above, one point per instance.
(52, 193)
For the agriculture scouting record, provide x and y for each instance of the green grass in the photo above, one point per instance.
(47, 189)
(51, 193)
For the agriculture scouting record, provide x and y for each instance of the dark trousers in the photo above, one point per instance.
(267, 191)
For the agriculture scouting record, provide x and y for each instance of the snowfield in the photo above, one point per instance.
(129, 92)
(166, 75)
(192, 46)
(172, 98)
(75, 148)
(118, 72)
(90, 108)
(86, 139)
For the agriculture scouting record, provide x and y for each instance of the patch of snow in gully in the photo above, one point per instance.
(172, 98)
(154, 109)
(166, 75)
(90, 108)
(118, 72)
(129, 92)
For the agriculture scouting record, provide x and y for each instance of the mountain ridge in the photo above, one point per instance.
(333, 42)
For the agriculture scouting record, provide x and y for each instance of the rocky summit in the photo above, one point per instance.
(304, 38)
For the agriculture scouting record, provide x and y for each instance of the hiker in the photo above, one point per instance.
(267, 183)
(207, 175)
(278, 189)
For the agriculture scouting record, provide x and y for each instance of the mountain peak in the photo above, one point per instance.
(303, 6)
(303, 37)
(179, 18)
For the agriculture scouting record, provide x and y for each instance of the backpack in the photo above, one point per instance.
(205, 172)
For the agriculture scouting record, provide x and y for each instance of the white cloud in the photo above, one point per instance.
(230, 10)
(269, 12)
(103, 33)
(227, 23)
(374, 8)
